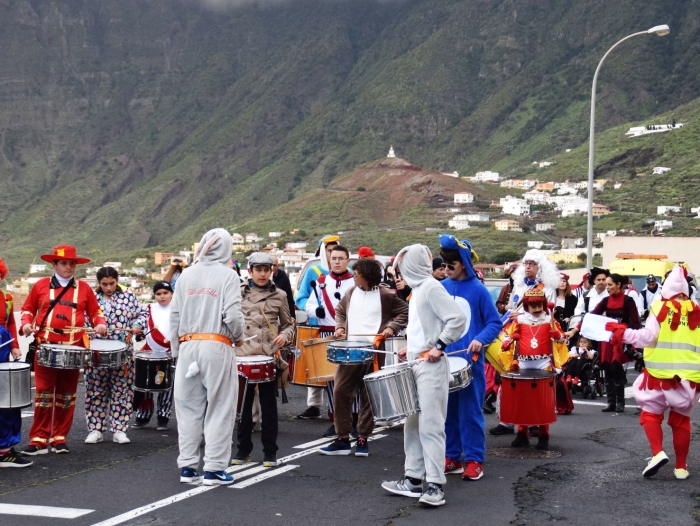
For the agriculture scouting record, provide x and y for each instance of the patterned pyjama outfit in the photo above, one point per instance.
(109, 395)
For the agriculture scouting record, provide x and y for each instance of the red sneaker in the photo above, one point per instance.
(474, 471)
(453, 466)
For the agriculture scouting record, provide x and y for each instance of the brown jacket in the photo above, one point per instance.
(276, 318)
(394, 310)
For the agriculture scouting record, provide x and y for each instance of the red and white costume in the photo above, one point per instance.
(54, 401)
(158, 328)
(330, 288)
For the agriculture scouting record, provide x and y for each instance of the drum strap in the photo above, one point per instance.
(52, 304)
(206, 337)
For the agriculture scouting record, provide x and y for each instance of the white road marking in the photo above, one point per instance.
(242, 471)
(27, 414)
(263, 476)
(43, 511)
(601, 404)
(326, 440)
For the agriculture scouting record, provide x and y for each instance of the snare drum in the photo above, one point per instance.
(242, 389)
(348, 352)
(528, 397)
(461, 371)
(311, 365)
(392, 393)
(258, 368)
(153, 372)
(60, 356)
(15, 385)
(108, 353)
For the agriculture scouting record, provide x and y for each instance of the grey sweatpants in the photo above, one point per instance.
(424, 433)
(206, 402)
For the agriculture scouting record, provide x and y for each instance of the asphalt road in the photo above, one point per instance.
(595, 480)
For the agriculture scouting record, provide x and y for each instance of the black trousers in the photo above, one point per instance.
(268, 409)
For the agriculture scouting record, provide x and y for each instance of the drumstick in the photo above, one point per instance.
(411, 362)
(8, 341)
(250, 338)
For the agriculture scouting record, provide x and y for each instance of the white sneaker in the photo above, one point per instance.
(120, 438)
(681, 474)
(94, 437)
(654, 464)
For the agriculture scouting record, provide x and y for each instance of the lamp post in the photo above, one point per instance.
(661, 31)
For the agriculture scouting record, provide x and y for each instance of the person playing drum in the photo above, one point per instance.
(157, 339)
(109, 392)
(10, 419)
(55, 312)
(268, 321)
(366, 309)
(434, 322)
(532, 333)
(465, 425)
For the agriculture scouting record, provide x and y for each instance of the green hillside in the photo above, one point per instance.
(128, 125)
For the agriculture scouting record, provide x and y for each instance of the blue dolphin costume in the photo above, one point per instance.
(10, 419)
(465, 425)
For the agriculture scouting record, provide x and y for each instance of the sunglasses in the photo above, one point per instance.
(448, 266)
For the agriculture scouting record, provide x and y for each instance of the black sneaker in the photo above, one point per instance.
(162, 424)
(34, 450)
(270, 461)
(311, 412)
(12, 459)
(330, 432)
(500, 429)
(240, 459)
(140, 422)
(61, 448)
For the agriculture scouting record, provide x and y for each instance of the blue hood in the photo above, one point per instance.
(469, 257)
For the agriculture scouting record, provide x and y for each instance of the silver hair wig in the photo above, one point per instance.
(547, 272)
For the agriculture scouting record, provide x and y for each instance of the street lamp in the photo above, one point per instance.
(661, 31)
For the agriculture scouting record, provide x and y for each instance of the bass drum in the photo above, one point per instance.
(492, 351)
(311, 365)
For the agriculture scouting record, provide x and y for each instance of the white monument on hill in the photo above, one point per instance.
(391, 152)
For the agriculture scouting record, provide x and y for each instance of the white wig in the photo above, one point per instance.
(547, 272)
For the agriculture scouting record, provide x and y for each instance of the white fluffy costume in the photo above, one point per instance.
(207, 300)
(547, 275)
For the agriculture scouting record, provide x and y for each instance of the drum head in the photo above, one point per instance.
(347, 344)
(529, 374)
(153, 355)
(388, 371)
(61, 347)
(14, 366)
(457, 363)
(254, 359)
(107, 345)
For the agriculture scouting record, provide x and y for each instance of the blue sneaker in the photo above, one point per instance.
(217, 478)
(190, 476)
(337, 447)
(361, 448)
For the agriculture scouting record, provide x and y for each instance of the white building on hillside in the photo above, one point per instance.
(391, 152)
(275, 234)
(543, 227)
(535, 244)
(658, 170)
(463, 198)
(37, 267)
(513, 206)
(458, 224)
(535, 197)
(114, 264)
(664, 210)
(486, 177)
(663, 224)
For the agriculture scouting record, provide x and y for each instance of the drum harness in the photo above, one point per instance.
(32, 346)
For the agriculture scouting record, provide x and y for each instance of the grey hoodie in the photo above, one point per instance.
(208, 294)
(439, 315)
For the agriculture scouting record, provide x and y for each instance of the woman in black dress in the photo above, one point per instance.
(612, 355)
(565, 304)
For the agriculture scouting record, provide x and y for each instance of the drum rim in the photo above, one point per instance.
(122, 346)
(60, 347)
(357, 345)
(255, 358)
(529, 375)
(388, 371)
(153, 355)
(19, 366)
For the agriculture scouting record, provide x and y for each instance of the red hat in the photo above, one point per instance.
(534, 296)
(3, 269)
(365, 252)
(64, 252)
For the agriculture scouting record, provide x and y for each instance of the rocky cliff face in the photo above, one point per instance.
(133, 123)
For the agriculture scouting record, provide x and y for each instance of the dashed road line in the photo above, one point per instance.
(43, 511)
(263, 476)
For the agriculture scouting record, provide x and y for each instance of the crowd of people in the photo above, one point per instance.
(208, 321)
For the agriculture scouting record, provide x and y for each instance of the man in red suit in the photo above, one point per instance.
(54, 304)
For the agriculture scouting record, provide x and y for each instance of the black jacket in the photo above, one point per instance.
(281, 281)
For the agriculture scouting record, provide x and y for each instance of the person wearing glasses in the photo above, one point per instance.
(535, 271)
(320, 308)
(465, 425)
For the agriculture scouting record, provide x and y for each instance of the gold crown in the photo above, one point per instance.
(534, 293)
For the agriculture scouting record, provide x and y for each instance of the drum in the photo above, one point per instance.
(60, 356)
(242, 389)
(392, 393)
(153, 372)
(15, 385)
(108, 353)
(461, 371)
(393, 345)
(491, 353)
(311, 365)
(258, 369)
(528, 397)
(349, 352)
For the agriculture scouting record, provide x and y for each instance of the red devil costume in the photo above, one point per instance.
(51, 307)
(534, 333)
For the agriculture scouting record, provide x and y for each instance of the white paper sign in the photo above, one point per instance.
(593, 327)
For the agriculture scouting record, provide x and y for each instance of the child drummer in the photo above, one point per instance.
(533, 333)
(157, 339)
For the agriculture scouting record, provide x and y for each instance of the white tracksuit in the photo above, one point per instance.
(207, 300)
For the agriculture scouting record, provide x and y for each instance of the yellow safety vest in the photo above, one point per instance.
(676, 353)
